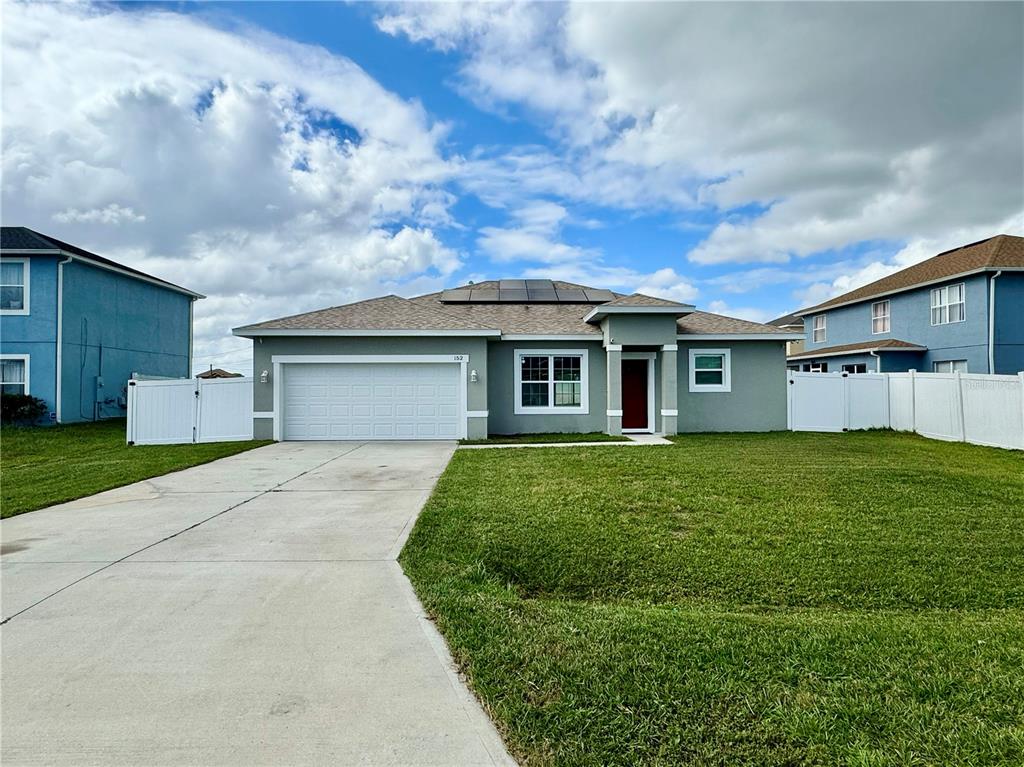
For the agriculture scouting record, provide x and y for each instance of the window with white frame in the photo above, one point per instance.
(710, 370)
(880, 317)
(948, 304)
(551, 381)
(818, 329)
(855, 367)
(949, 366)
(14, 374)
(14, 286)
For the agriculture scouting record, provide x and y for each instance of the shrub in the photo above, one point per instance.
(21, 408)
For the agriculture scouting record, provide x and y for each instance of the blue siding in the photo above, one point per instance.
(1009, 341)
(114, 326)
(910, 320)
(35, 334)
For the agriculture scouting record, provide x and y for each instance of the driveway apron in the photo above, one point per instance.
(248, 611)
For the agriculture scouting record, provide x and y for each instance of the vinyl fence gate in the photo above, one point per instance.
(962, 407)
(184, 410)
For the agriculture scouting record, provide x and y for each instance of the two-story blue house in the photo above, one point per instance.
(75, 326)
(962, 310)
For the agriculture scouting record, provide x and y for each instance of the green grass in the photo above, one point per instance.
(46, 465)
(771, 599)
(537, 439)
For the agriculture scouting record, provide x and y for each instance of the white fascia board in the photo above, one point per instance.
(595, 337)
(600, 311)
(30, 252)
(741, 336)
(865, 350)
(254, 333)
(875, 296)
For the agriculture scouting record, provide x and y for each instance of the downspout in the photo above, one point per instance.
(60, 332)
(992, 322)
(878, 360)
(191, 308)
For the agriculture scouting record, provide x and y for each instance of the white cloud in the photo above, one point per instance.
(751, 313)
(273, 177)
(812, 127)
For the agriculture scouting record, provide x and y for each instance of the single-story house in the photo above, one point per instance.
(514, 356)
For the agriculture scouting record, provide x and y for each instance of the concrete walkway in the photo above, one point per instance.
(248, 611)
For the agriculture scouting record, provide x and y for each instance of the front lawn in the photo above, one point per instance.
(543, 438)
(42, 466)
(769, 599)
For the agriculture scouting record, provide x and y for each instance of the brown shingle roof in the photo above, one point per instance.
(888, 344)
(428, 312)
(698, 322)
(1003, 250)
(218, 373)
(639, 299)
(384, 313)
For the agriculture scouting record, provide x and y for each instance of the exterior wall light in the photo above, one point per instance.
(264, 376)
(472, 376)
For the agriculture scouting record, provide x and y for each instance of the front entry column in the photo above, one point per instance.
(614, 411)
(669, 389)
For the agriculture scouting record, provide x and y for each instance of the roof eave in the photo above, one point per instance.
(599, 312)
(862, 350)
(742, 336)
(250, 332)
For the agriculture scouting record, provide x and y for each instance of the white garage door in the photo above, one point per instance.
(372, 401)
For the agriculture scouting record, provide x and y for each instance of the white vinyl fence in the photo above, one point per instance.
(174, 411)
(962, 407)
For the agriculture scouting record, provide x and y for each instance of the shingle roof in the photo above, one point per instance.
(23, 239)
(888, 344)
(639, 299)
(787, 320)
(218, 373)
(1003, 250)
(384, 313)
(429, 312)
(702, 323)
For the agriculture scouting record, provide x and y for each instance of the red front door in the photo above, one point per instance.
(634, 394)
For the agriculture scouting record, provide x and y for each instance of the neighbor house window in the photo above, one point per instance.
(816, 367)
(856, 367)
(880, 317)
(948, 304)
(818, 332)
(14, 286)
(14, 374)
(550, 381)
(949, 366)
(710, 370)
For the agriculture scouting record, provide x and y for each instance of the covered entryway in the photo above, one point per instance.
(637, 392)
(371, 399)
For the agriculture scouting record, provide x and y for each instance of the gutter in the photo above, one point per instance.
(992, 322)
(60, 333)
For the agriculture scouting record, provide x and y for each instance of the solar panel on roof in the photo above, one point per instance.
(598, 296)
(571, 295)
(455, 296)
(546, 295)
(484, 296)
(540, 285)
(512, 284)
(512, 295)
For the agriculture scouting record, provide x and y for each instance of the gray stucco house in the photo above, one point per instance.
(961, 310)
(514, 356)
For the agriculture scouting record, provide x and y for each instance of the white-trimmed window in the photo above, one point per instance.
(948, 304)
(818, 329)
(710, 370)
(14, 292)
(949, 366)
(551, 381)
(880, 317)
(14, 373)
(855, 367)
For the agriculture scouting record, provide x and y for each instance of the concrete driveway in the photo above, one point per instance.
(248, 611)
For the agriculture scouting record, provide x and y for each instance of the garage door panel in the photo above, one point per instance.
(372, 401)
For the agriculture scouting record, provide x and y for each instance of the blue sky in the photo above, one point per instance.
(280, 157)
